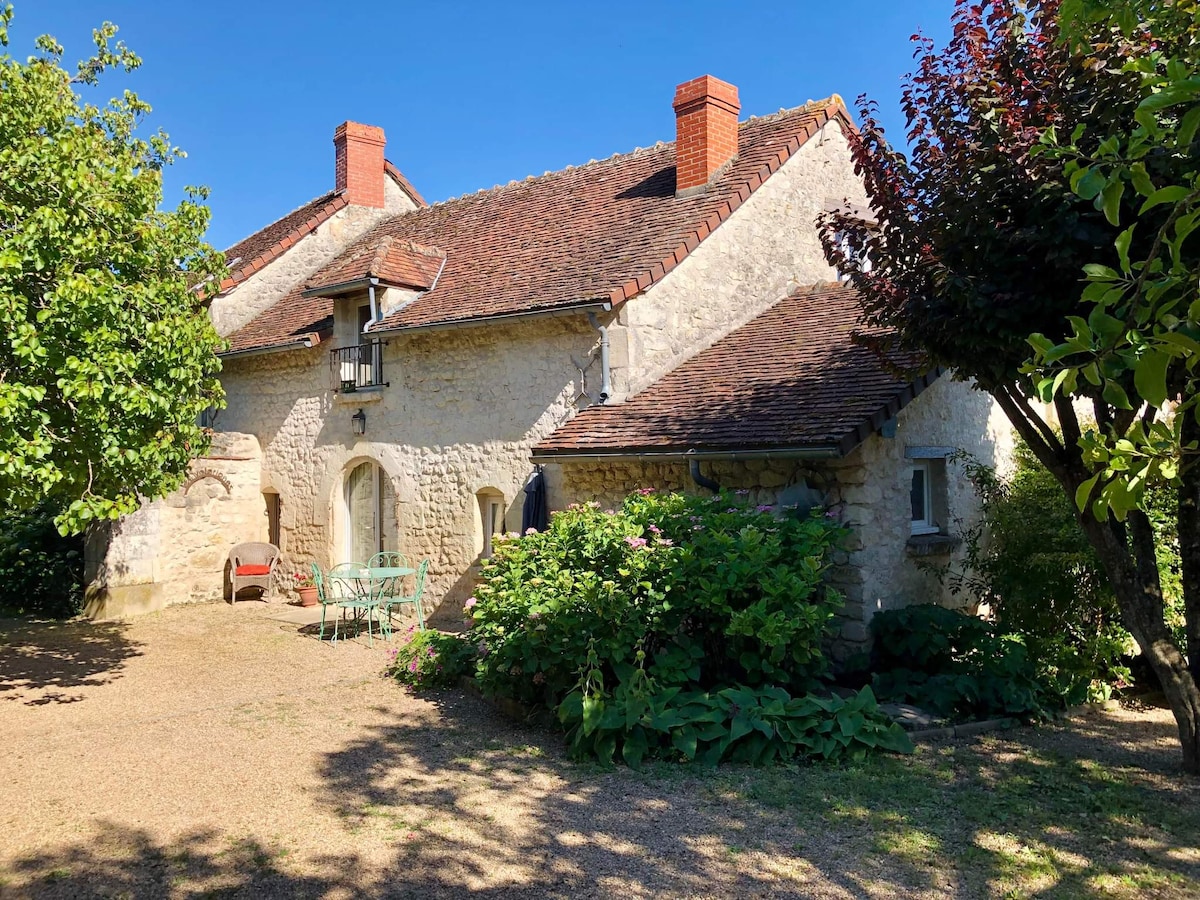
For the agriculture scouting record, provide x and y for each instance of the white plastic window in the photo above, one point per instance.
(491, 514)
(921, 495)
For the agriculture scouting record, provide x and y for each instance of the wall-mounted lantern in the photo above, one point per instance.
(359, 422)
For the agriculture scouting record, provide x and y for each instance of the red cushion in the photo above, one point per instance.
(252, 570)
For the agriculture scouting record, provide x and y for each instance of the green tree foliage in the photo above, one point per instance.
(41, 570)
(109, 356)
(981, 246)
(1031, 562)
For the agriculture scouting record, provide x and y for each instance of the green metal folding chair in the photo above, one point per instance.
(349, 589)
(414, 598)
(388, 559)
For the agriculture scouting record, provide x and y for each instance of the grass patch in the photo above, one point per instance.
(997, 818)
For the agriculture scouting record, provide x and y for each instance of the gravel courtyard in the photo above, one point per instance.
(216, 751)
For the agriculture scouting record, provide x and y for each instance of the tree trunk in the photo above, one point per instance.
(1189, 542)
(1131, 564)
(1132, 569)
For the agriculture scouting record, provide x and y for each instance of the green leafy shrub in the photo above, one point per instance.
(675, 627)
(1030, 561)
(41, 572)
(431, 659)
(739, 724)
(956, 665)
(705, 592)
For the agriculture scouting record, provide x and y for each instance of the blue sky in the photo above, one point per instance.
(469, 94)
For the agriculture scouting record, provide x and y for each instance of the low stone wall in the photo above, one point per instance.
(174, 550)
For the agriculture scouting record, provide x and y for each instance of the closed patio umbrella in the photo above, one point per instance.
(534, 513)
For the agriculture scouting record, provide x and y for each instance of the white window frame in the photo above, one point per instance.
(492, 512)
(924, 525)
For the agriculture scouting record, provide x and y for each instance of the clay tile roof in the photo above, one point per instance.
(790, 378)
(391, 260)
(250, 254)
(601, 232)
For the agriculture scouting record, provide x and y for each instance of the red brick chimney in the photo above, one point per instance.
(358, 163)
(706, 128)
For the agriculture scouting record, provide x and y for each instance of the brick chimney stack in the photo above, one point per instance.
(358, 163)
(706, 131)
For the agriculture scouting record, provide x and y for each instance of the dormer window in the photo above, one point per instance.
(369, 283)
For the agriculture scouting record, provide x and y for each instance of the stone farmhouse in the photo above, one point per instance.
(661, 318)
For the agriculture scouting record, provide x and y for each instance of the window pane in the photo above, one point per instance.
(918, 495)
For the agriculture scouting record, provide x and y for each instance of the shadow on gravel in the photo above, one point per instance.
(49, 662)
(127, 862)
(478, 806)
(450, 800)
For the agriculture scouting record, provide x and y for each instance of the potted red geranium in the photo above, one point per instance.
(306, 589)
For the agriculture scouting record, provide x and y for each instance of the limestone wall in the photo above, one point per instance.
(873, 493)
(461, 413)
(173, 550)
(765, 249)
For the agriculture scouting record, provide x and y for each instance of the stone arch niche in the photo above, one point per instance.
(173, 550)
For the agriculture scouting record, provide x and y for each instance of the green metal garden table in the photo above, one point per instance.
(375, 585)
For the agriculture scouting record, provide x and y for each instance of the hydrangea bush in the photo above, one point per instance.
(693, 590)
(675, 626)
(430, 659)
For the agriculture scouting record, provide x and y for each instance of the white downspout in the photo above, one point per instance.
(605, 375)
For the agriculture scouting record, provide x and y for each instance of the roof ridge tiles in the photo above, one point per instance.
(810, 107)
(325, 198)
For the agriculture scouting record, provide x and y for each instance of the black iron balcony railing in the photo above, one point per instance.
(354, 368)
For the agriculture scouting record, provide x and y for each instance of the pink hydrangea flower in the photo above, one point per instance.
(764, 507)
(655, 529)
(645, 491)
(471, 601)
(635, 542)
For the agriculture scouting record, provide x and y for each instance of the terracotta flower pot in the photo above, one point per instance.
(308, 595)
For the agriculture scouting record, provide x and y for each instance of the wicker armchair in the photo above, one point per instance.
(251, 565)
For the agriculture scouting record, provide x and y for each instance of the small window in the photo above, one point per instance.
(491, 514)
(921, 497)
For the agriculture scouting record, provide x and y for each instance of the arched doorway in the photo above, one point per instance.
(370, 513)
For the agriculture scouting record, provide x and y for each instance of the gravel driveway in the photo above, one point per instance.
(216, 751)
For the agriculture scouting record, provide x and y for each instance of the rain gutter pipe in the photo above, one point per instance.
(605, 375)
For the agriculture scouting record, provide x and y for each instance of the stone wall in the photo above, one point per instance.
(766, 249)
(174, 550)
(873, 492)
(462, 410)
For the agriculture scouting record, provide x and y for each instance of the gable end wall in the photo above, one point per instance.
(764, 250)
